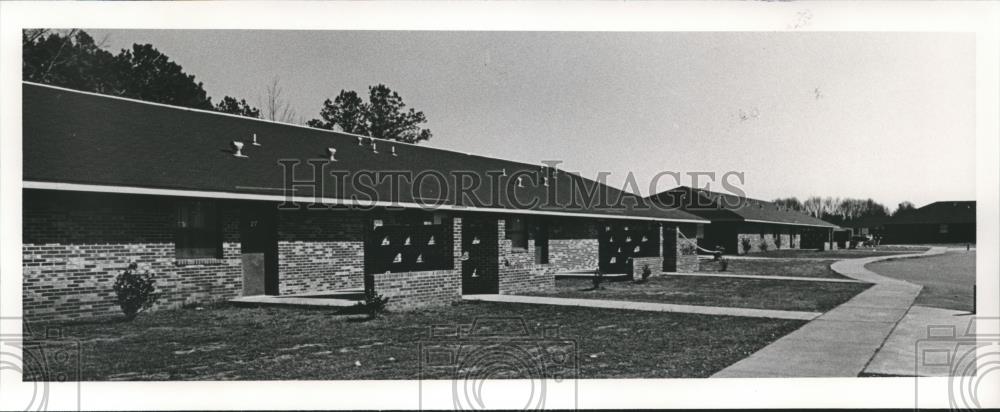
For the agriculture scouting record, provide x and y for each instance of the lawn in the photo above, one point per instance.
(841, 253)
(776, 267)
(225, 342)
(947, 279)
(792, 295)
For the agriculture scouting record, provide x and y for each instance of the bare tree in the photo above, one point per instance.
(274, 106)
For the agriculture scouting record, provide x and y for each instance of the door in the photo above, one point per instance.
(259, 249)
(480, 252)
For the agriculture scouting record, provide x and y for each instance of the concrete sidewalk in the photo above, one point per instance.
(646, 306)
(921, 331)
(765, 277)
(841, 342)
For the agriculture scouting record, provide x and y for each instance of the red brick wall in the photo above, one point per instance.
(320, 250)
(75, 244)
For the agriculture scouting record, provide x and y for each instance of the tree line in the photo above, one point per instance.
(73, 59)
(842, 210)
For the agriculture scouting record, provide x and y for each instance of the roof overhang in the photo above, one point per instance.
(333, 202)
(789, 223)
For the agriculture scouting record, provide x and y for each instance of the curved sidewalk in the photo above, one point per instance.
(841, 342)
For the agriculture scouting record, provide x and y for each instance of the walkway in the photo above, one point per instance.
(726, 275)
(841, 342)
(332, 298)
(646, 306)
(926, 330)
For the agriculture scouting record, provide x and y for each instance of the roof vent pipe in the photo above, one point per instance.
(333, 153)
(359, 141)
(545, 181)
(374, 149)
(520, 181)
(393, 150)
(255, 143)
(238, 149)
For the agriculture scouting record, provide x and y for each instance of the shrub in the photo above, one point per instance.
(646, 272)
(689, 248)
(763, 245)
(746, 245)
(717, 255)
(597, 279)
(135, 291)
(374, 304)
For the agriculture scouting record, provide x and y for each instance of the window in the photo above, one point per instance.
(198, 234)
(943, 229)
(517, 232)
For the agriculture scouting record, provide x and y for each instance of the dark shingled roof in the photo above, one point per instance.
(73, 137)
(722, 207)
(950, 212)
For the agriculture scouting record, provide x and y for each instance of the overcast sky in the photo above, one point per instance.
(883, 115)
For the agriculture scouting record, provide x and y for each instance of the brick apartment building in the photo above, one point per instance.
(743, 225)
(220, 206)
(938, 222)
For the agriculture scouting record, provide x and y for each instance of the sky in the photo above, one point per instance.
(888, 116)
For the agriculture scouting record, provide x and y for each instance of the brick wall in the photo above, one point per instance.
(320, 250)
(413, 290)
(675, 258)
(773, 236)
(518, 271)
(75, 244)
(573, 245)
(655, 266)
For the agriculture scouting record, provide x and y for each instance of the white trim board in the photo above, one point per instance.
(787, 223)
(78, 187)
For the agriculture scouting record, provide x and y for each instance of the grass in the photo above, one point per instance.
(225, 342)
(840, 253)
(776, 267)
(709, 291)
(948, 279)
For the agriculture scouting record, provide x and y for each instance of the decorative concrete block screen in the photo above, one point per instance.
(408, 248)
(619, 243)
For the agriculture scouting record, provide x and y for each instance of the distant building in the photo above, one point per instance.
(868, 225)
(744, 225)
(938, 222)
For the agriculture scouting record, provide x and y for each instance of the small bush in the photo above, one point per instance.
(374, 304)
(689, 248)
(717, 255)
(746, 245)
(135, 291)
(597, 279)
(763, 245)
(646, 273)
